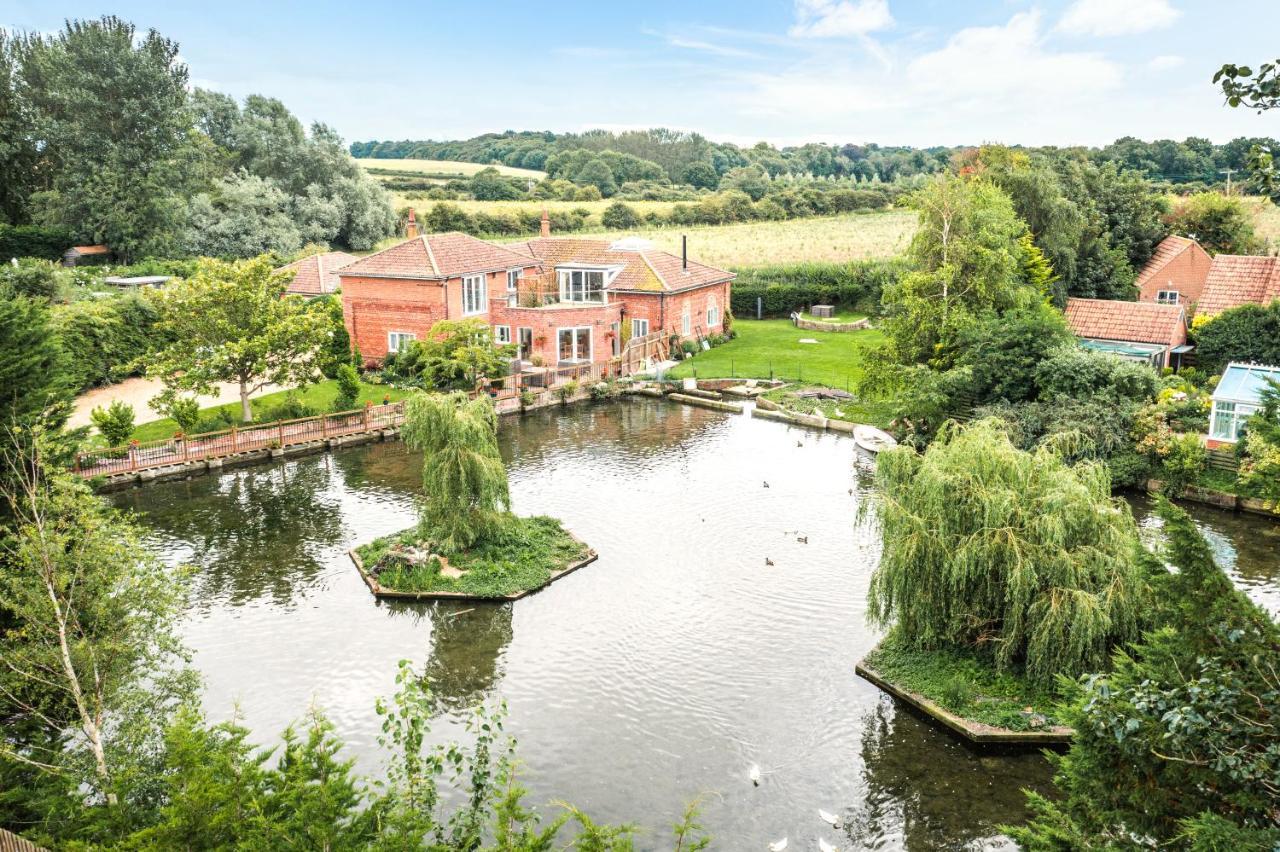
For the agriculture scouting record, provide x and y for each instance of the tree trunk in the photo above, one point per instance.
(246, 410)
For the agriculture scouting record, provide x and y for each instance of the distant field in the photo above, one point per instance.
(446, 167)
(1266, 221)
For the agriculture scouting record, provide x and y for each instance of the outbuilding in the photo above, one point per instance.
(1237, 397)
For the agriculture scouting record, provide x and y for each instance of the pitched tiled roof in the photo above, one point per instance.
(1236, 280)
(317, 273)
(436, 256)
(1169, 248)
(646, 269)
(1131, 322)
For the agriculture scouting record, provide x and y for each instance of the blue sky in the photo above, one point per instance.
(786, 71)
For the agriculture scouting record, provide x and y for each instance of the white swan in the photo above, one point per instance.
(827, 816)
(824, 846)
(754, 774)
(778, 846)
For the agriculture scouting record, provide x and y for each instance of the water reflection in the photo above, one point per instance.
(717, 629)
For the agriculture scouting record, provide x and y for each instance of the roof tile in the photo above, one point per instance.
(1236, 280)
(317, 273)
(1131, 322)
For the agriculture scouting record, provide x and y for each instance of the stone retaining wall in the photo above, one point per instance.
(819, 325)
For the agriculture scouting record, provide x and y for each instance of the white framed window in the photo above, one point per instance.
(513, 279)
(1167, 297)
(582, 285)
(474, 298)
(573, 344)
(1228, 420)
(713, 312)
(686, 322)
(398, 340)
(502, 334)
(639, 327)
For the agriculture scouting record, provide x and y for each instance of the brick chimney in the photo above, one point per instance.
(546, 224)
(411, 227)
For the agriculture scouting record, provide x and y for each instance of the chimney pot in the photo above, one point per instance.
(546, 224)
(411, 227)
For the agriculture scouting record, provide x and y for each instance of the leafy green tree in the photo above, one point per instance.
(348, 388)
(245, 216)
(1218, 222)
(18, 149)
(966, 259)
(753, 180)
(1178, 746)
(109, 109)
(1070, 372)
(620, 216)
(989, 546)
(36, 279)
(34, 384)
(596, 172)
(1004, 352)
(181, 409)
(91, 658)
(1260, 91)
(230, 323)
(490, 185)
(115, 422)
(1246, 333)
(701, 175)
(456, 355)
(463, 477)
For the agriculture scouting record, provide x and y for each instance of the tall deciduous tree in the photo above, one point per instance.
(230, 322)
(1218, 222)
(18, 152)
(110, 111)
(462, 472)
(989, 546)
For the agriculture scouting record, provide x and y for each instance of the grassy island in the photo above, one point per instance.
(523, 554)
(467, 542)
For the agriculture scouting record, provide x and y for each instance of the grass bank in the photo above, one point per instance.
(521, 556)
(317, 399)
(966, 683)
(772, 349)
(877, 413)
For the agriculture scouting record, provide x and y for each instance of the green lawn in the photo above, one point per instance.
(877, 413)
(771, 349)
(319, 398)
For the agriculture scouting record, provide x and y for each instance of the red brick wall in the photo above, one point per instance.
(1186, 273)
(665, 312)
(373, 307)
(545, 322)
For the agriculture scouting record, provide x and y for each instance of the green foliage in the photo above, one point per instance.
(34, 279)
(1249, 333)
(228, 322)
(33, 365)
(989, 545)
(182, 410)
(568, 390)
(701, 175)
(114, 423)
(1178, 744)
(1071, 372)
(1218, 222)
(620, 216)
(490, 185)
(348, 388)
(966, 260)
(463, 477)
(339, 351)
(856, 285)
(243, 216)
(456, 355)
(106, 339)
(1006, 353)
(47, 243)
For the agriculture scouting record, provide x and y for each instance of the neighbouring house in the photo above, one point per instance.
(1182, 273)
(80, 255)
(1236, 280)
(1236, 398)
(561, 302)
(317, 274)
(1176, 273)
(1152, 333)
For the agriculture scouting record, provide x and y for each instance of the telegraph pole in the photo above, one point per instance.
(1228, 173)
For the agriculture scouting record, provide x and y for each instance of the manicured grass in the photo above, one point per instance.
(966, 683)
(319, 397)
(521, 556)
(877, 413)
(771, 349)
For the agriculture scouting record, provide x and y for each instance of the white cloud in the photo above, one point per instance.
(709, 47)
(1165, 63)
(987, 63)
(840, 18)
(1117, 17)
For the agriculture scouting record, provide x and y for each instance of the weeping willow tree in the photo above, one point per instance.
(462, 472)
(1021, 553)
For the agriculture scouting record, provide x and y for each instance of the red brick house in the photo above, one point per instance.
(1141, 331)
(561, 301)
(1236, 280)
(317, 274)
(1176, 273)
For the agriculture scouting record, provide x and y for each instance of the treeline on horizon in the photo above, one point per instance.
(686, 158)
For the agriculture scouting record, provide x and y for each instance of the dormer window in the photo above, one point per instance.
(1167, 297)
(582, 285)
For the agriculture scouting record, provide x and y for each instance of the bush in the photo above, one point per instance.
(115, 422)
(1072, 372)
(1247, 333)
(348, 388)
(36, 279)
(620, 216)
(105, 338)
(33, 241)
(290, 408)
(183, 410)
(566, 391)
(856, 286)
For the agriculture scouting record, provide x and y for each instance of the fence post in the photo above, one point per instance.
(367, 407)
(280, 433)
(235, 441)
(186, 449)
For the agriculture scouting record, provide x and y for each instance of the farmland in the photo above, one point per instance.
(444, 168)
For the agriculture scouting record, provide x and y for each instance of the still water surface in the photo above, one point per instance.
(659, 673)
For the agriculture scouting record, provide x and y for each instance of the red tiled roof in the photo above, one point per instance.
(436, 256)
(645, 269)
(1169, 248)
(91, 249)
(1130, 322)
(317, 273)
(1236, 280)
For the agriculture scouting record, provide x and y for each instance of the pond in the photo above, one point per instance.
(660, 673)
